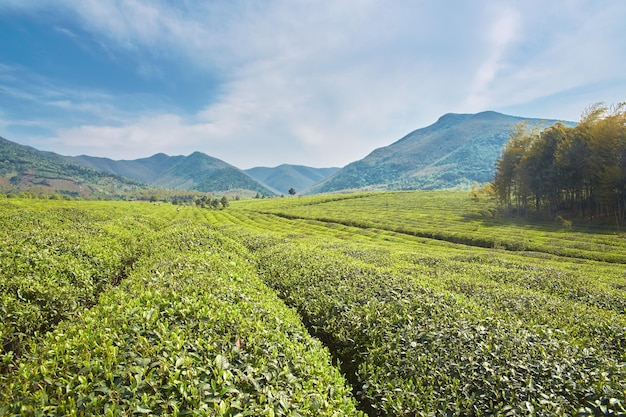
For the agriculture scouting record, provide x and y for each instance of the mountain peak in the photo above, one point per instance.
(454, 118)
(454, 152)
(198, 154)
(451, 119)
(491, 115)
(488, 113)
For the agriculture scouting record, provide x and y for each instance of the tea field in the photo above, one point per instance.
(380, 304)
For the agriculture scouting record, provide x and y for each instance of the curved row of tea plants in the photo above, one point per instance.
(421, 326)
(192, 330)
(578, 303)
(412, 347)
(454, 217)
(586, 299)
(55, 261)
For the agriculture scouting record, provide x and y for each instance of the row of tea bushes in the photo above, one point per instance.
(55, 261)
(191, 331)
(411, 347)
(583, 300)
(453, 216)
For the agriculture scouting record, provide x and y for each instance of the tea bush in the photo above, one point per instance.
(192, 330)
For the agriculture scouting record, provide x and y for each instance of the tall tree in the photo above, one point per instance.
(537, 171)
(581, 169)
(506, 181)
(608, 147)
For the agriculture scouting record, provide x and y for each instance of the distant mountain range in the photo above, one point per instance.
(284, 177)
(198, 172)
(455, 152)
(26, 168)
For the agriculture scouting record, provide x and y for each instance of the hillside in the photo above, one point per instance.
(454, 152)
(198, 172)
(143, 169)
(285, 176)
(24, 168)
(204, 173)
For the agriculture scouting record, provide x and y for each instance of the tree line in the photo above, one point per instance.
(575, 170)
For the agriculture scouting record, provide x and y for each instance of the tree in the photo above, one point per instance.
(572, 159)
(577, 170)
(292, 191)
(537, 172)
(608, 165)
(224, 201)
(506, 183)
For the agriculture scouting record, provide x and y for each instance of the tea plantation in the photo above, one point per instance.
(380, 304)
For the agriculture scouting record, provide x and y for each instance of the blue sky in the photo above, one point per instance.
(311, 82)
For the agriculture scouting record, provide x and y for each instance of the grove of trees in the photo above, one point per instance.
(579, 171)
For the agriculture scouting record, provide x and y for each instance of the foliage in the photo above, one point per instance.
(412, 347)
(214, 203)
(450, 216)
(191, 330)
(55, 262)
(429, 302)
(578, 171)
(423, 325)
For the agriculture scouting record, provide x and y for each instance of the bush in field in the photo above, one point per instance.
(158, 311)
(413, 348)
(55, 262)
(192, 330)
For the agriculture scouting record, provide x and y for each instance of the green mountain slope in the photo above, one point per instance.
(285, 176)
(455, 152)
(23, 168)
(144, 169)
(198, 171)
(201, 172)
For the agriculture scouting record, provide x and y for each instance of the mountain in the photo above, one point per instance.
(285, 176)
(144, 169)
(454, 152)
(23, 168)
(204, 173)
(197, 172)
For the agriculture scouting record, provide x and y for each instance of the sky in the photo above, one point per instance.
(312, 82)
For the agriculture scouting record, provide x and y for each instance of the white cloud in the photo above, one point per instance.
(562, 49)
(66, 32)
(167, 133)
(501, 36)
(91, 108)
(338, 87)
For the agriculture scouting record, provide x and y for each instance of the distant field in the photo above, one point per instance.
(395, 304)
(453, 217)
